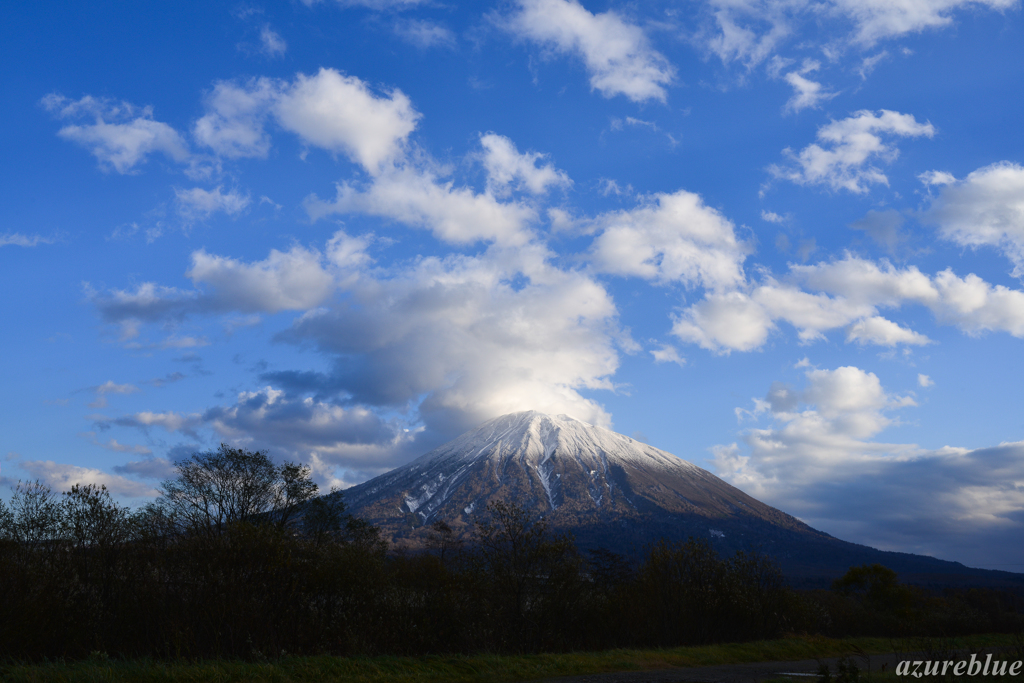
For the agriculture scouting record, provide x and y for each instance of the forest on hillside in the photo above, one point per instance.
(242, 558)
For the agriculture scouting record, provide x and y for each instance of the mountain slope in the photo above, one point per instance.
(608, 490)
(567, 470)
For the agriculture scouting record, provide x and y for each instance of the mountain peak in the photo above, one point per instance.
(556, 464)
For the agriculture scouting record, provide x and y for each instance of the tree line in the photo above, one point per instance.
(242, 558)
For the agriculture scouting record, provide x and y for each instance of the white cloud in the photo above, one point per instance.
(298, 279)
(341, 114)
(772, 217)
(271, 43)
(878, 330)
(925, 381)
(114, 445)
(456, 335)
(507, 169)
(970, 303)
(850, 144)
(666, 353)
(807, 94)
(459, 339)
(329, 110)
(868, 64)
(284, 281)
(670, 237)
(121, 135)
(61, 477)
(818, 459)
(19, 240)
(976, 306)
(724, 322)
(171, 421)
(984, 209)
(825, 296)
(424, 34)
(418, 198)
(109, 387)
(879, 19)
(616, 53)
(233, 126)
(867, 282)
(751, 31)
(198, 204)
(937, 178)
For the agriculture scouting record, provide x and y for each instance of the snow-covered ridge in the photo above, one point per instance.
(535, 437)
(530, 442)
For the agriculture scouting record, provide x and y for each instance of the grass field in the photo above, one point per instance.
(458, 669)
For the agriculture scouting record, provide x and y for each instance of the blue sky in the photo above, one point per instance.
(783, 240)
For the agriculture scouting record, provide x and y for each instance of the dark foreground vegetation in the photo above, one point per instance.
(240, 559)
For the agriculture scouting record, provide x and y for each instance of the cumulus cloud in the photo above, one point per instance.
(508, 169)
(616, 53)
(424, 34)
(984, 209)
(342, 114)
(724, 322)
(297, 279)
(817, 458)
(925, 381)
(670, 237)
(292, 280)
(329, 110)
(878, 330)
(666, 353)
(970, 303)
(198, 204)
(457, 336)
(457, 340)
(849, 145)
(418, 198)
(234, 123)
(120, 135)
(848, 293)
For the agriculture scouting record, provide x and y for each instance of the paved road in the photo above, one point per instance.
(737, 673)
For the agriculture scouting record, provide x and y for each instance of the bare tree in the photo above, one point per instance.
(216, 489)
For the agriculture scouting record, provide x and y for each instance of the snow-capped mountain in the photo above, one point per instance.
(611, 491)
(572, 473)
